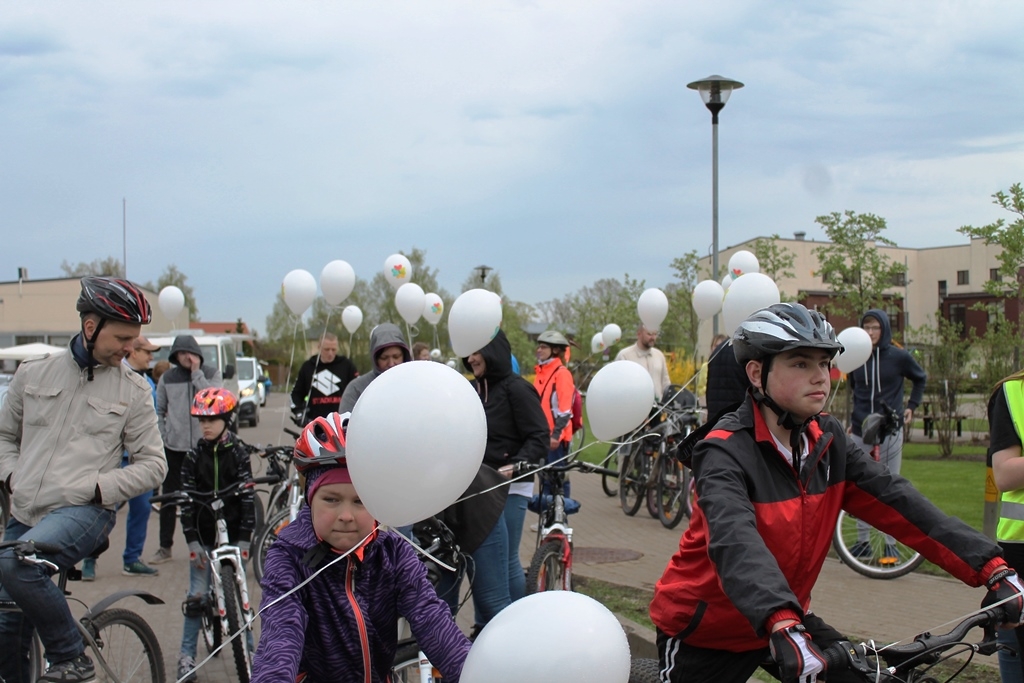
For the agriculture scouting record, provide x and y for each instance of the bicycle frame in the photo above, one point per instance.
(224, 552)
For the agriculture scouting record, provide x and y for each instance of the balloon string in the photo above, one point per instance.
(288, 376)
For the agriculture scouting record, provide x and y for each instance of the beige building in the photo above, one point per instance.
(44, 311)
(939, 280)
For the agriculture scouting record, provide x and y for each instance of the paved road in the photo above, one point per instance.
(884, 610)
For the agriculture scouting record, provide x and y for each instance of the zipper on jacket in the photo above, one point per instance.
(360, 622)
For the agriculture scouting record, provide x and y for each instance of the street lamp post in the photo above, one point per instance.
(483, 270)
(714, 91)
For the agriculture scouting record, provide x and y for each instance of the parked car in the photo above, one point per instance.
(250, 391)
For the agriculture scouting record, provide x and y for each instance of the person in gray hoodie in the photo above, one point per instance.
(388, 349)
(174, 394)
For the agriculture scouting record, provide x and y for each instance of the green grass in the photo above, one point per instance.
(632, 603)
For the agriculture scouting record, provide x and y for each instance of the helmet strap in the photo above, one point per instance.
(90, 344)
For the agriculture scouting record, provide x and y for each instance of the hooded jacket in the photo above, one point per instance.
(760, 532)
(212, 466)
(319, 387)
(517, 430)
(348, 615)
(174, 393)
(727, 381)
(881, 378)
(383, 336)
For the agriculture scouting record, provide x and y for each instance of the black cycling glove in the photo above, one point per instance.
(1006, 585)
(799, 659)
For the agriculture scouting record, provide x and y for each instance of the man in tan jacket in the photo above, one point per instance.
(67, 419)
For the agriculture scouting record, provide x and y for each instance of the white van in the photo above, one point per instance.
(250, 387)
(217, 350)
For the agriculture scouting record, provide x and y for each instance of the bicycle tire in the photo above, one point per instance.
(128, 645)
(236, 623)
(407, 664)
(609, 484)
(578, 438)
(265, 538)
(644, 670)
(632, 481)
(673, 490)
(651, 497)
(547, 569)
(845, 537)
(210, 626)
(259, 512)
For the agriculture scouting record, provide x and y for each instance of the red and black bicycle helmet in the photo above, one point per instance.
(114, 298)
(322, 443)
(214, 402)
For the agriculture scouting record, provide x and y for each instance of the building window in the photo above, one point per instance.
(958, 315)
(899, 279)
(963, 277)
(993, 275)
(28, 339)
(942, 288)
(58, 339)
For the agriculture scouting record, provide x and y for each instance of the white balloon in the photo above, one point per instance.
(517, 644)
(409, 301)
(352, 318)
(749, 293)
(707, 299)
(299, 288)
(433, 308)
(171, 301)
(652, 307)
(857, 348)
(337, 280)
(411, 468)
(619, 398)
(743, 262)
(473, 321)
(397, 270)
(611, 334)
(727, 281)
(596, 343)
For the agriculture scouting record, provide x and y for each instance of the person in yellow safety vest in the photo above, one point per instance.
(1006, 424)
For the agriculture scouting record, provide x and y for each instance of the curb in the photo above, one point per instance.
(642, 640)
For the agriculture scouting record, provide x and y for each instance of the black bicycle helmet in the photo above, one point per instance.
(114, 299)
(783, 327)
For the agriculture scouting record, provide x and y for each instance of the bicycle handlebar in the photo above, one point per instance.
(529, 468)
(926, 648)
(187, 495)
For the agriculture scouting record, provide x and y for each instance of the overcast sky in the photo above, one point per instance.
(554, 141)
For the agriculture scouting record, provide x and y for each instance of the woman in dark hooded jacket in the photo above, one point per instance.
(517, 431)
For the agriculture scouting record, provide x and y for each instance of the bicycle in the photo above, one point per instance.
(284, 502)
(411, 665)
(913, 662)
(875, 558)
(123, 644)
(225, 611)
(551, 565)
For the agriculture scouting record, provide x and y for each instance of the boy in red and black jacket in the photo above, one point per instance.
(771, 479)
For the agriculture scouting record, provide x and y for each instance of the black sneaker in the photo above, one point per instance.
(77, 670)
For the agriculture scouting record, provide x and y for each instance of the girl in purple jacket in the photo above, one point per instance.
(343, 625)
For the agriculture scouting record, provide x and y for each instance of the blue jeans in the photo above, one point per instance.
(515, 516)
(1010, 670)
(199, 587)
(558, 454)
(78, 530)
(136, 526)
(490, 577)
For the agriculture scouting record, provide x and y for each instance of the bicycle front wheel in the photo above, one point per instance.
(874, 557)
(548, 569)
(128, 646)
(632, 481)
(236, 614)
(265, 538)
(644, 671)
(673, 493)
(608, 482)
(652, 487)
(407, 664)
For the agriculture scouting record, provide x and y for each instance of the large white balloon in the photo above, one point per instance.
(596, 343)
(409, 301)
(171, 301)
(727, 281)
(397, 270)
(337, 280)
(707, 299)
(856, 349)
(748, 293)
(517, 644)
(410, 468)
(352, 318)
(619, 398)
(473, 321)
(652, 307)
(433, 308)
(611, 334)
(743, 262)
(299, 288)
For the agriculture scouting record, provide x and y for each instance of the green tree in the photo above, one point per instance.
(776, 260)
(947, 362)
(110, 266)
(855, 271)
(681, 327)
(1008, 236)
